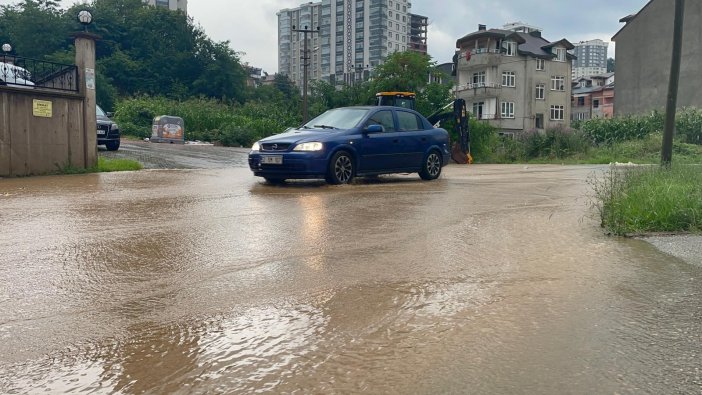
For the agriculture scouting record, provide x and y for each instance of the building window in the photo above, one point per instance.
(596, 103)
(508, 78)
(540, 91)
(539, 121)
(581, 101)
(540, 63)
(478, 110)
(560, 54)
(557, 83)
(557, 113)
(507, 109)
(479, 78)
(510, 48)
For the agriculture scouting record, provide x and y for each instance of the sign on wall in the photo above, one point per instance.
(42, 108)
(90, 78)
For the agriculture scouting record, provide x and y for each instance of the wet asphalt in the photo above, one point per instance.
(204, 279)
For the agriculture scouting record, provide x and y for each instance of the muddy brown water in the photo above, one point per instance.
(493, 279)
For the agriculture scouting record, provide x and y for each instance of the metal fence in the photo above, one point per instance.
(26, 72)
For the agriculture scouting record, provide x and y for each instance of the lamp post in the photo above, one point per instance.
(6, 48)
(305, 63)
(85, 18)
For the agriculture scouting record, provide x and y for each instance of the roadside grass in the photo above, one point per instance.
(105, 165)
(634, 200)
(641, 151)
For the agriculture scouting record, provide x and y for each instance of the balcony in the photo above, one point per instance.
(480, 57)
(478, 90)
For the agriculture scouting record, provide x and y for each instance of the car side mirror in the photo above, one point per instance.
(375, 129)
(109, 114)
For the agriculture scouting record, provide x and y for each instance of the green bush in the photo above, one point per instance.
(612, 130)
(642, 199)
(604, 131)
(207, 119)
(688, 125)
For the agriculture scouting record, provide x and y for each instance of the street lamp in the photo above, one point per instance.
(85, 18)
(6, 48)
(305, 63)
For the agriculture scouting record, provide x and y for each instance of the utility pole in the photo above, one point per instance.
(671, 104)
(305, 63)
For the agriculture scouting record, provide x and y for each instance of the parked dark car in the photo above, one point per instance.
(107, 131)
(353, 141)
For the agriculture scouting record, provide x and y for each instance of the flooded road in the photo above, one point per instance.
(493, 279)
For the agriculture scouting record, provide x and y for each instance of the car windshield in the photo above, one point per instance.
(339, 118)
(99, 111)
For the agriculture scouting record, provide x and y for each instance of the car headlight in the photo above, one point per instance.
(314, 146)
(256, 146)
(114, 126)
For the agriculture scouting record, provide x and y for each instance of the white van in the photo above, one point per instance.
(14, 75)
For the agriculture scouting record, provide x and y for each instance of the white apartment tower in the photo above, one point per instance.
(174, 5)
(591, 58)
(354, 36)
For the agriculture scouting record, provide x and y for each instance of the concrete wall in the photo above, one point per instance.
(643, 54)
(31, 144)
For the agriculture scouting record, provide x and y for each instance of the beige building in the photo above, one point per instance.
(516, 81)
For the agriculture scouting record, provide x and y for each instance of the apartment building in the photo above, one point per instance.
(644, 53)
(174, 5)
(350, 37)
(516, 81)
(591, 58)
(593, 97)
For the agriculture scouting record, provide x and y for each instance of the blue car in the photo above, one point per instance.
(353, 141)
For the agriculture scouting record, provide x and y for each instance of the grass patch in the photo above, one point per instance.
(649, 199)
(108, 165)
(105, 165)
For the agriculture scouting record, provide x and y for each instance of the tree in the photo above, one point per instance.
(34, 28)
(611, 65)
(403, 71)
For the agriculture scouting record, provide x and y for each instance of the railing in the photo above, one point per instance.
(476, 85)
(26, 72)
(488, 117)
(477, 51)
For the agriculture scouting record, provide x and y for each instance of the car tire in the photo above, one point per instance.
(431, 168)
(112, 145)
(341, 168)
(274, 180)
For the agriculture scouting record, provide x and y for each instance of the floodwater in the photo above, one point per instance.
(493, 279)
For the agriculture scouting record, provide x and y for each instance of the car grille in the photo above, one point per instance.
(274, 147)
(104, 127)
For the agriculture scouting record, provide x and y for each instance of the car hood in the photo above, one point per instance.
(295, 136)
(103, 120)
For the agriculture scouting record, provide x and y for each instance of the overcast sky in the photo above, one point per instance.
(251, 25)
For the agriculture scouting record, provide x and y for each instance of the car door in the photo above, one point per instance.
(413, 139)
(379, 151)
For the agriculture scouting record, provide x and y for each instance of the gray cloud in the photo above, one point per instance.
(251, 26)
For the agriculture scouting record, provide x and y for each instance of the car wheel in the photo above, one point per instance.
(274, 180)
(112, 145)
(431, 168)
(341, 169)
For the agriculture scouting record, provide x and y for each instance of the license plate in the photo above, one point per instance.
(272, 160)
(101, 132)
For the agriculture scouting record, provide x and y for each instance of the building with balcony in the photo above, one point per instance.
(593, 97)
(591, 58)
(644, 54)
(516, 81)
(418, 33)
(181, 5)
(354, 37)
